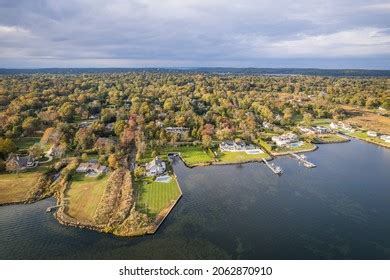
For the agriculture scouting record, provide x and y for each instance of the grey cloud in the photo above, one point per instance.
(191, 33)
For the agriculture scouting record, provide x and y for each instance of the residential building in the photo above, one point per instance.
(92, 168)
(372, 133)
(385, 138)
(17, 162)
(285, 139)
(155, 167)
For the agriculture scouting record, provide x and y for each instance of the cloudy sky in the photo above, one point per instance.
(180, 33)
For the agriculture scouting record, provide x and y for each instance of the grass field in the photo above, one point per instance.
(152, 196)
(84, 196)
(26, 142)
(237, 157)
(330, 138)
(321, 122)
(15, 187)
(305, 146)
(192, 155)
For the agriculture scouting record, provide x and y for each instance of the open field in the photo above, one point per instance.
(152, 197)
(321, 122)
(15, 187)
(237, 157)
(192, 155)
(367, 119)
(363, 136)
(83, 196)
(25, 142)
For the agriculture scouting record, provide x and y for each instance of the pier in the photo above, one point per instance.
(302, 159)
(275, 169)
(51, 208)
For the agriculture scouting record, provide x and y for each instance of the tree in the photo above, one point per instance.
(36, 150)
(30, 125)
(307, 118)
(67, 111)
(84, 138)
(112, 161)
(127, 137)
(119, 126)
(7, 146)
(206, 141)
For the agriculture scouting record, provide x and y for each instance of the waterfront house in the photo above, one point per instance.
(385, 138)
(239, 146)
(372, 133)
(17, 162)
(155, 167)
(285, 139)
(92, 168)
(333, 125)
(320, 130)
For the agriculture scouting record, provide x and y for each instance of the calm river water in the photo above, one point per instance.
(339, 210)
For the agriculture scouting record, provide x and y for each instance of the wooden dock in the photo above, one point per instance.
(275, 169)
(51, 208)
(302, 159)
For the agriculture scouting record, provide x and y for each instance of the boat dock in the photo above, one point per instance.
(51, 208)
(275, 169)
(302, 159)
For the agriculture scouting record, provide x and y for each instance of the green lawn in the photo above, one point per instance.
(321, 122)
(84, 195)
(237, 157)
(15, 187)
(192, 155)
(305, 146)
(152, 197)
(26, 142)
(330, 138)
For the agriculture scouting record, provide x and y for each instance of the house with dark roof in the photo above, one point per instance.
(17, 162)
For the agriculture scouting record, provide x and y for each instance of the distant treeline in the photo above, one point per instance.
(210, 70)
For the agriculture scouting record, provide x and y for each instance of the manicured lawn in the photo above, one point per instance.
(26, 142)
(305, 146)
(192, 155)
(84, 195)
(152, 197)
(15, 187)
(331, 138)
(236, 157)
(321, 122)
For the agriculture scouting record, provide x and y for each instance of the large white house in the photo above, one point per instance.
(385, 138)
(155, 167)
(239, 146)
(372, 133)
(285, 139)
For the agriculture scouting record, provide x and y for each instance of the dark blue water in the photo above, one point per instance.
(339, 210)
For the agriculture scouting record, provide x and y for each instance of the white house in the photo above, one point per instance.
(320, 130)
(16, 162)
(386, 138)
(239, 146)
(155, 167)
(333, 125)
(372, 133)
(285, 139)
